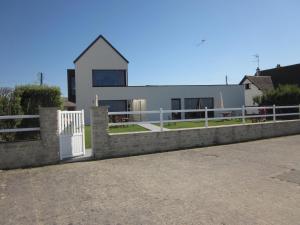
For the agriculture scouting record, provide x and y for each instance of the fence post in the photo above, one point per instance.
(206, 117)
(274, 113)
(161, 117)
(243, 114)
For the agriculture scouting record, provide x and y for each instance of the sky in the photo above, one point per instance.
(160, 38)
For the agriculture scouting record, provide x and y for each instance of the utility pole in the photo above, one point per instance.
(226, 80)
(41, 78)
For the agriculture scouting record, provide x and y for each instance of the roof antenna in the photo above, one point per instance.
(256, 56)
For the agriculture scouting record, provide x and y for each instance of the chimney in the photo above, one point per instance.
(278, 66)
(257, 71)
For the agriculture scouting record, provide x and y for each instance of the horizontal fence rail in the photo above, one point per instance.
(241, 113)
(14, 117)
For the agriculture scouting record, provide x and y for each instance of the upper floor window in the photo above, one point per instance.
(108, 78)
(247, 86)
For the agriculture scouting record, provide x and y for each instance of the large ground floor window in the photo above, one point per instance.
(198, 103)
(116, 106)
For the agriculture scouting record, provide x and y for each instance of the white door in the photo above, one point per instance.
(71, 133)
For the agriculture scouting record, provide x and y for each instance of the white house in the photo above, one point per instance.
(103, 71)
(255, 86)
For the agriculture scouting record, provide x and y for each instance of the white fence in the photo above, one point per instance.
(231, 113)
(71, 133)
(13, 117)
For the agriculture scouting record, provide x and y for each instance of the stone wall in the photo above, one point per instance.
(34, 153)
(115, 145)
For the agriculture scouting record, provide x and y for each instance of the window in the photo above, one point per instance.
(176, 105)
(198, 103)
(108, 78)
(247, 86)
(114, 105)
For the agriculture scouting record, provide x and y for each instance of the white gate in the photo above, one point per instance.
(71, 133)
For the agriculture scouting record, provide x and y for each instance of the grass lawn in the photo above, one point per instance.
(128, 128)
(191, 124)
(117, 129)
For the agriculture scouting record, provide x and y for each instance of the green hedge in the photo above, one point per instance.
(26, 100)
(35, 96)
(283, 95)
(9, 105)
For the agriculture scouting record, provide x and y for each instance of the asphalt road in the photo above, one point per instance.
(248, 183)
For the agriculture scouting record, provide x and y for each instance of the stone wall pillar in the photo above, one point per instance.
(100, 137)
(49, 134)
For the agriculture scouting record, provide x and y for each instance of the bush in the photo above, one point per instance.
(282, 96)
(9, 105)
(25, 100)
(31, 98)
(35, 96)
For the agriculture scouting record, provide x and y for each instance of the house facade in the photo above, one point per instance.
(255, 86)
(103, 71)
(266, 80)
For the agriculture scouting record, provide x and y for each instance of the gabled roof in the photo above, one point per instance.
(104, 39)
(263, 83)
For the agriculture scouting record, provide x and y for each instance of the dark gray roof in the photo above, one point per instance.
(263, 83)
(282, 75)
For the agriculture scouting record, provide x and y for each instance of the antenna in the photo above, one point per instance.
(257, 59)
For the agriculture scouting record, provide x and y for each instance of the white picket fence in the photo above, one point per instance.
(241, 114)
(14, 117)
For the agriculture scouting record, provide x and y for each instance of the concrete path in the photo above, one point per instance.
(252, 183)
(152, 127)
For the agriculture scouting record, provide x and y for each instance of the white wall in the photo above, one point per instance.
(160, 96)
(102, 56)
(251, 93)
(99, 56)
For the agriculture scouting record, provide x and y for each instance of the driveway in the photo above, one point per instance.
(240, 184)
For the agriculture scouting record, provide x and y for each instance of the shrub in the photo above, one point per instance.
(283, 95)
(31, 98)
(35, 96)
(9, 105)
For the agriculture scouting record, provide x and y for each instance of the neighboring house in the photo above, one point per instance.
(103, 71)
(265, 80)
(255, 86)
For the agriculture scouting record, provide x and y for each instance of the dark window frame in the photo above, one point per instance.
(125, 78)
(248, 86)
(176, 115)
